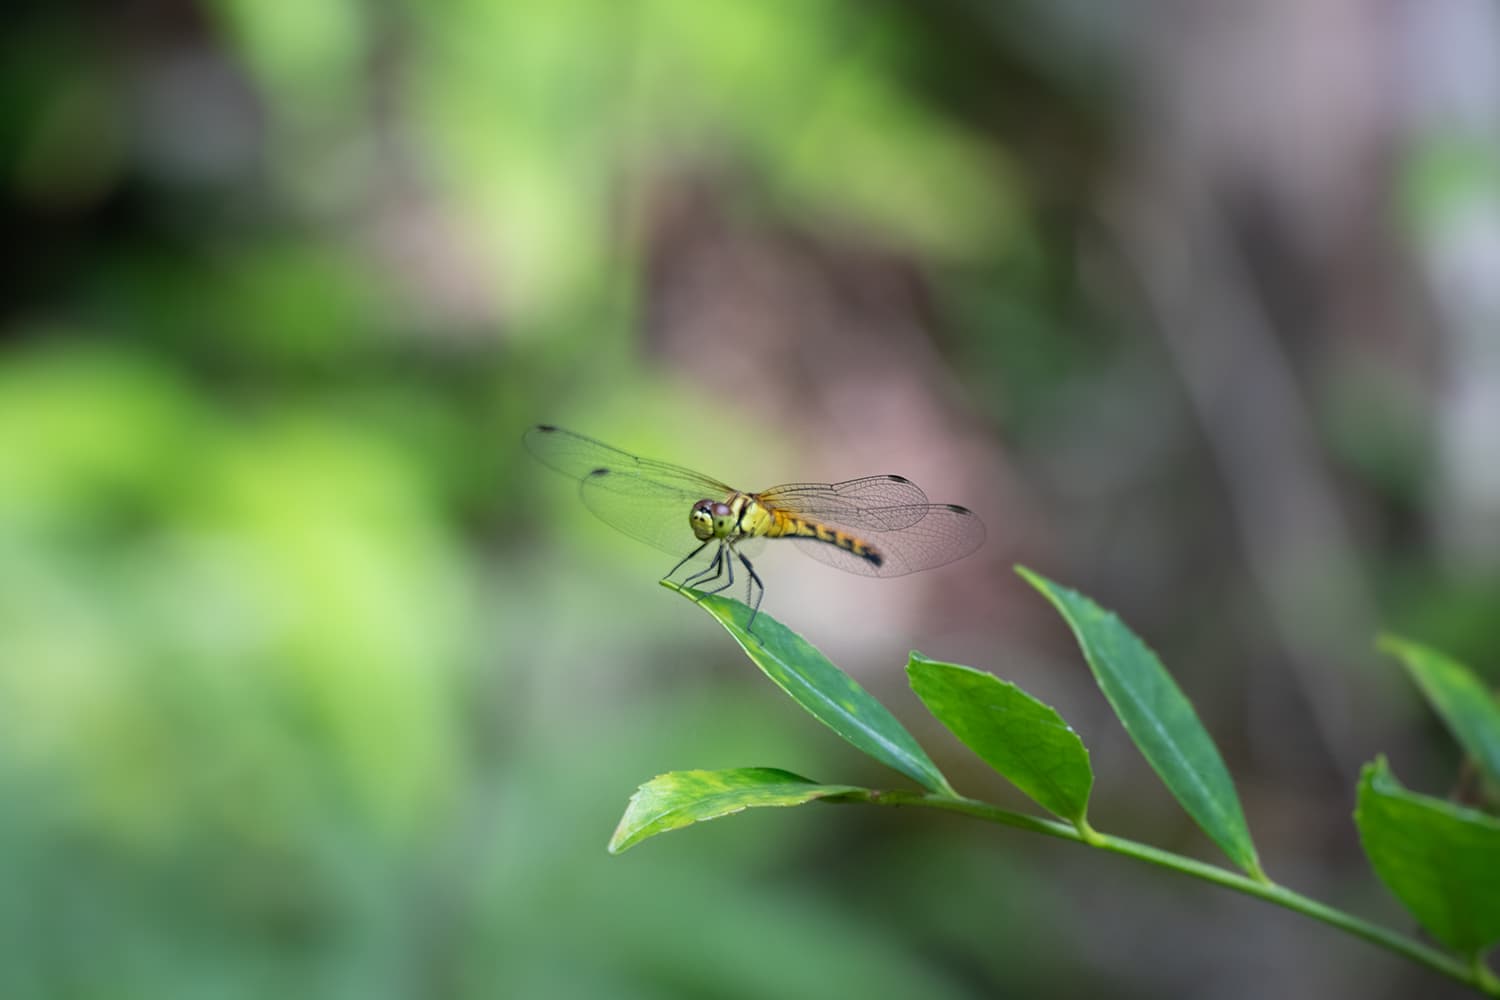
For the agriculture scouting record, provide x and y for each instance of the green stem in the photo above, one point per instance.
(1486, 979)
(1475, 974)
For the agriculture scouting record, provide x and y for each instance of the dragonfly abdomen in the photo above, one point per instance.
(787, 526)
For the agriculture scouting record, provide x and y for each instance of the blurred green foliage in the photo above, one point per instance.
(312, 684)
(292, 705)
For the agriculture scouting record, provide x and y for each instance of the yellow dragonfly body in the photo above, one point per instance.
(875, 526)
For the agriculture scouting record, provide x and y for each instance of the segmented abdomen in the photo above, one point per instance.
(787, 526)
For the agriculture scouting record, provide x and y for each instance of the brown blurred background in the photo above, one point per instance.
(315, 684)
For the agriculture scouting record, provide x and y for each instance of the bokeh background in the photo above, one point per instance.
(313, 683)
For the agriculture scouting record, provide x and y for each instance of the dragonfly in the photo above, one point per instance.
(875, 526)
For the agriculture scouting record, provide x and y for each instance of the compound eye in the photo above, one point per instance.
(701, 519)
(723, 516)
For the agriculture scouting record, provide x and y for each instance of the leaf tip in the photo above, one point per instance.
(1376, 772)
(1030, 575)
(1051, 590)
(1390, 642)
(625, 836)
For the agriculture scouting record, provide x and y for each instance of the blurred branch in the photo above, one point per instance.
(1297, 545)
(1454, 200)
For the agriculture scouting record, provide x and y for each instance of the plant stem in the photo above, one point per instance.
(1475, 974)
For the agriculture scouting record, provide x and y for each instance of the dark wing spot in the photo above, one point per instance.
(546, 428)
(604, 472)
(957, 509)
(899, 479)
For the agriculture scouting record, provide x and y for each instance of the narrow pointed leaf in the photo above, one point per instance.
(1159, 718)
(1441, 860)
(1019, 736)
(1469, 709)
(830, 695)
(682, 798)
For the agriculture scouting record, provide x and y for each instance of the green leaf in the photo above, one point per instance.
(1159, 718)
(1441, 860)
(1470, 711)
(682, 798)
(1023, 739)
(825, 691)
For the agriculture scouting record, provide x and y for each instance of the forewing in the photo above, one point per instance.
(874, 503)
(646, 499)
(649, 510)
(581, 457)
(934, 534)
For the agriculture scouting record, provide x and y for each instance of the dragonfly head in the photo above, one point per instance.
(711, 519)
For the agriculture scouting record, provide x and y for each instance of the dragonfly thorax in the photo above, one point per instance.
(712, 519)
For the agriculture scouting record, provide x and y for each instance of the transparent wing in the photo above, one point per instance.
(874, 503)
(647, 500)
(645, 509)
(650, 500)
(751, 546)
(933, 534)
(580, 457)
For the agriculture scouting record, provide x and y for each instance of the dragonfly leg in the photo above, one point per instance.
(686, 559)
(728, 568)
(755, 581)
(714, 570)
(728, 565)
